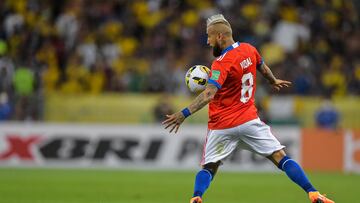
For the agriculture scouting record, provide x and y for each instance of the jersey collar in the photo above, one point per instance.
(233, 46)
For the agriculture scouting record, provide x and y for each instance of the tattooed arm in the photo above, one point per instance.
(275, 83)
(175, 120)
(203, 98)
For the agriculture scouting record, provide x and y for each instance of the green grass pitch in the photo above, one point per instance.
(112, 186)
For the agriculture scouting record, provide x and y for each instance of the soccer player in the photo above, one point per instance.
(233, 120)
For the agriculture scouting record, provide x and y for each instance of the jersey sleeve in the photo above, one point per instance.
(218, 74)
(259, 59)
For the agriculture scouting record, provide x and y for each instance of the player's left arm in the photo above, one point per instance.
(274, 82)
(175, 120)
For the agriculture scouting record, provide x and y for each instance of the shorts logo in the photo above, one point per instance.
(220, 148)
(215, 75)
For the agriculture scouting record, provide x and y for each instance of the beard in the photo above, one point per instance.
(217, 50)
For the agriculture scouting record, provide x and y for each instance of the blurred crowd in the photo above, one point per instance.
(93, 46)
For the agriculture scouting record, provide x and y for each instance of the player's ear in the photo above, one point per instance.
(220, 36)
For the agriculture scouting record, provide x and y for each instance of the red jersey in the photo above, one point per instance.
(234, 74)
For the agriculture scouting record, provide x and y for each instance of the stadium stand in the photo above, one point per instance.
(95, 47)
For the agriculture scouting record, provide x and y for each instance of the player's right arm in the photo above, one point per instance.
(175, 120)
(274, 82)
(217, 77)
(203, 98)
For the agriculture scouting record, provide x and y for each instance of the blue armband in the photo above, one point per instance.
(186, 112)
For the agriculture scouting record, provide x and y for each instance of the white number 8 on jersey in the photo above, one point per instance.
(247, 82)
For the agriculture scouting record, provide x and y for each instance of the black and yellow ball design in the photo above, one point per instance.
(197, 77)
(199, 81)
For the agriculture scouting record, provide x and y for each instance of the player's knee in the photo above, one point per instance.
(212, 167)
(277, 156)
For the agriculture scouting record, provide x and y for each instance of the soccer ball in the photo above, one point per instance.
(197, 77)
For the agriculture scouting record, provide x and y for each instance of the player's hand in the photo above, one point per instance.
(174, 121)
(278, 84)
